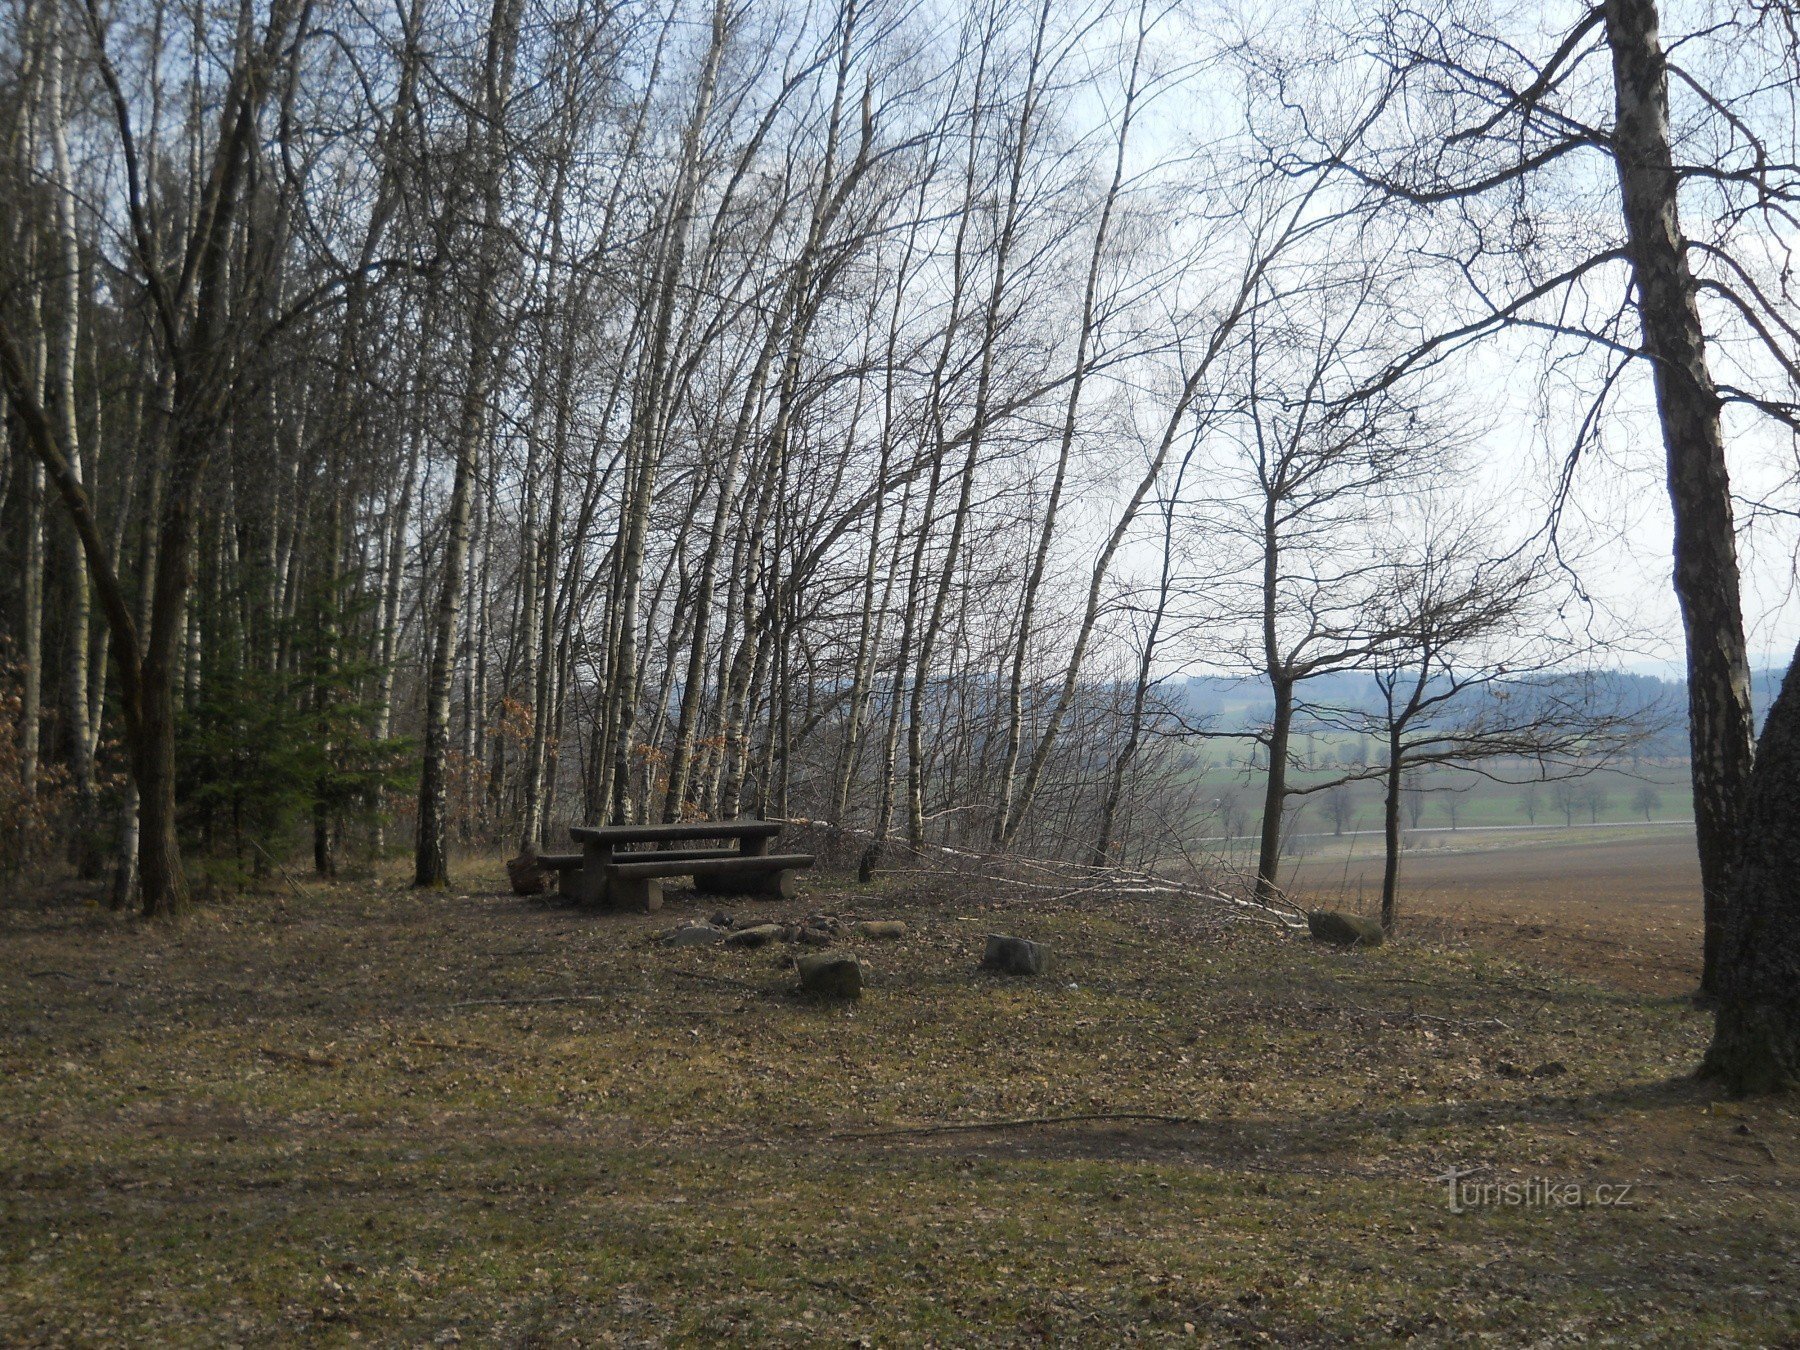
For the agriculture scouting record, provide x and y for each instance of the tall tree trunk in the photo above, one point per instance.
(431, 863)
(1281, 723)
(650, 415)
(694, 683)
(1706, 568)
(31, 584)
(1115, 790)
(545, 546)
(1756, 1033)
(61, 395)
(31, 626)
(1390, 832)
(1015, 686)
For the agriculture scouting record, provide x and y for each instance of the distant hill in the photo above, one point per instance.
(1226, 703)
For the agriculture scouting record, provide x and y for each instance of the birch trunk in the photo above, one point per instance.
(431, 865)
(60, 379)
(1015, 685)
(649, 415)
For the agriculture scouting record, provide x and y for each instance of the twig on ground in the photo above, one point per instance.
(550, 998)
(1485, 1023)
(1019, 1123)
(702, 978)
(318, 1059)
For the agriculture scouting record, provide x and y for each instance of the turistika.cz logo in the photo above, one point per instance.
(1466, 1193)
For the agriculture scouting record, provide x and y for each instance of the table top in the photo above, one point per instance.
(687, 829)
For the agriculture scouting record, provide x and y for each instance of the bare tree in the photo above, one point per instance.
(487, 143)
(1517, 123)
(1313, 456)
(1469, 677)
(201, 332)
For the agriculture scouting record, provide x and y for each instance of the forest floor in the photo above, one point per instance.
(352, 1112)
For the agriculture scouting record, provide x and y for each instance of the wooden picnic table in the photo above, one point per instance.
(617, 869)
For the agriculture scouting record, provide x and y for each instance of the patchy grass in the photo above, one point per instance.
(368, 1114)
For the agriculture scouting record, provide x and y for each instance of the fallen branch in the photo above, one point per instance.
(1019, 1123)
(1483, 1023)
(317, 1059)
(550, 998)
(702, 978)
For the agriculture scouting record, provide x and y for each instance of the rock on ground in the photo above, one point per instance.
(881, 928)
(1015, 956)
(1343, 930)
(757, 935)
(831, 975)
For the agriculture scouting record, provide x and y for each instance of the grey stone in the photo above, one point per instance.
(831, 975)
(1343, 930)
(757, 935)
(1015, 956)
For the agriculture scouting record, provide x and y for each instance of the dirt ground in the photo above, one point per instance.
(1620, 907)
(361, 1114)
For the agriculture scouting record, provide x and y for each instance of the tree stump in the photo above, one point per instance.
(527, 875)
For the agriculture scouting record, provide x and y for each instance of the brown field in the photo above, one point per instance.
(1617, 907)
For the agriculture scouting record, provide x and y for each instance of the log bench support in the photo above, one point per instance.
(634, 884)
(642, 894)
(567, 867)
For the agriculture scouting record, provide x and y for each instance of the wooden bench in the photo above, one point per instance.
(615, 872)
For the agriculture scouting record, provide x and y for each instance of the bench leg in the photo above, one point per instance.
(778, 885)
(588, 886)
(585, 885)
(639, 893)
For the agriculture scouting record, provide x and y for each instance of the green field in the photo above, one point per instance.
(1506, 794)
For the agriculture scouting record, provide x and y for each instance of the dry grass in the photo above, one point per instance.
(373, 1115)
